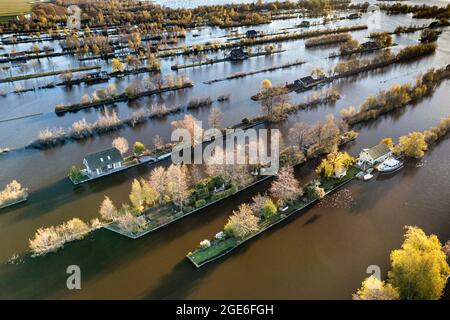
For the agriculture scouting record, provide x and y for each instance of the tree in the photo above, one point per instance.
(269, 209)
(117, 65)
(419, 269)
(334, 163)
(266, 85)
(285, 187)
(177, 184)
(108, 211)
(298, 132)
(150, 194)
(412, 145)
(317, 73)
(137, 197)
(138, 148)
(215, 118)
(190, 123)
(374, 289)
(121, 144)
(158, 181)
(388, 141)
(158, 142)
(242, 223)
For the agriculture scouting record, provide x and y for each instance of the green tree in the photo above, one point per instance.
(269, 209)
(138, 148)
(419, 269)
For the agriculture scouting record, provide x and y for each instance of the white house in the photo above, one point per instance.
(374, 155)
(102, 162)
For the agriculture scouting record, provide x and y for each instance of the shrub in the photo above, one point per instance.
(205, 244)
(13, 192)
(199, 102)
(81, 129)
(75, 174)
(223, 98)
(269, 209)
(200, 203)
(202, 193)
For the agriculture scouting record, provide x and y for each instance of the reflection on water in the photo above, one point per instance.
(320, 253)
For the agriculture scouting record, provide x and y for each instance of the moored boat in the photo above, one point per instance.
(389, 165)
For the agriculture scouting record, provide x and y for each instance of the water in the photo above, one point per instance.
(320, 253)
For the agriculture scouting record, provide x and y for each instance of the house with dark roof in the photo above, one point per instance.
(304, 82)
(305, 24)
(354, 16)
(103, 162)
(374, 155)
(251, 34)
(238, 54)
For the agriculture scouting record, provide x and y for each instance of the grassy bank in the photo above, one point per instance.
(220, 248)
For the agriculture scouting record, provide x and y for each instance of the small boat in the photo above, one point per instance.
(368, 176)
(389, 165)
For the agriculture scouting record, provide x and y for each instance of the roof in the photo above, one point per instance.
(237, 51)
(378, 151)
(305, 80)
(103, 158)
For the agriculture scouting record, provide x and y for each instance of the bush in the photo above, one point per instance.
(75, 174)
(269, 209)
(202, 193)
(205, 244)
(200, 203)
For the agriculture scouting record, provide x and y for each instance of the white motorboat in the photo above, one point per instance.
(368, 176)
(389, 165)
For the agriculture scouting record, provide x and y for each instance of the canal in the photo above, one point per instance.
(321, 253)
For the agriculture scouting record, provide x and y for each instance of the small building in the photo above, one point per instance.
(370, 45)
(304, 82)
(251, 34)
(354, 16)
(305, 24)
(374, 155)
(103, 162)
(238, 54)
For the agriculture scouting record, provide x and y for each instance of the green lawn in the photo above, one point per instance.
(14, 7)
(217, 248)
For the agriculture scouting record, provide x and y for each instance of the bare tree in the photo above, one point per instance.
(298, 132)
(177, 184)
(158, 181)
(121, 144)
(107, 210)
(215, 118)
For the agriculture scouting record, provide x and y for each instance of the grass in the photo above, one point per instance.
(214, 250)
(12, 8)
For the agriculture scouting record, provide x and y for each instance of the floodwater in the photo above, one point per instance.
(321, 253)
